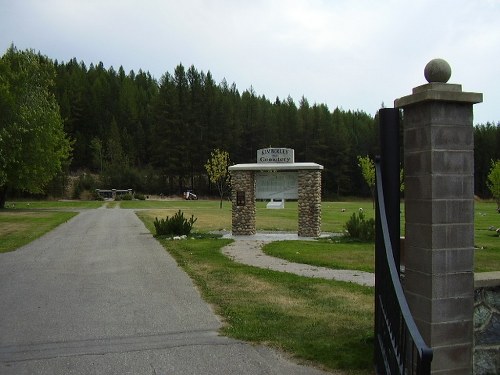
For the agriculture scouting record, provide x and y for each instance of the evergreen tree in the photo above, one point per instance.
(169, 127)
(97, 154)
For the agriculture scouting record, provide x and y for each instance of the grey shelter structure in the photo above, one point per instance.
(276, 176)
(112, 193)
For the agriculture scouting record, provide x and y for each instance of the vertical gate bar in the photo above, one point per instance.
(379, 272)
(390, 164)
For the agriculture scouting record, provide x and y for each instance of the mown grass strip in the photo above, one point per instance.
(53, 205)
(329, 323)
(210, 217)
(336, 253)
(325, 322)
(18, 228)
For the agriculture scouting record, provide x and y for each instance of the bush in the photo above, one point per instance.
(140, 197)
(84, 185)
(360, 228)
(96, 196)
(177, 225)
(124, 197)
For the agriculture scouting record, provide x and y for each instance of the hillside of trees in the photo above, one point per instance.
(155, 136)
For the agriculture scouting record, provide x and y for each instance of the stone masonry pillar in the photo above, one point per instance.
(309, 203)
(243, 202)
(439, 199)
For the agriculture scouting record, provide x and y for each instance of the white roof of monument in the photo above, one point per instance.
(274, 166)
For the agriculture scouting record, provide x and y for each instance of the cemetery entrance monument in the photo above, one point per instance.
(276, 177)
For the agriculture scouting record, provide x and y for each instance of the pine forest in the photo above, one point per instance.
(130, 130)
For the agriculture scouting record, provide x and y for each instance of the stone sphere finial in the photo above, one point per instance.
(437, 70)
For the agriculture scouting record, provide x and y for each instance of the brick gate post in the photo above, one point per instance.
(439, 201)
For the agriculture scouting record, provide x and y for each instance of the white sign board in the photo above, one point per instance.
(276, 155)
(276, 185)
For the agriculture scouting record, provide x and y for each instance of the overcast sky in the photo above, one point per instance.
(352, 54)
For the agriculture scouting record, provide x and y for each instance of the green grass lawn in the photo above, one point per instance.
(487, 242)
(336, 253)
(177, 204)
(325, 322)
(210, 217)
(306, 317)
(53, 205)
(25, 221)
(329, 323)
(334, 215)
(19, 227)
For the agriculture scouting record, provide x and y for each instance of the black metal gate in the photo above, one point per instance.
(399, 347)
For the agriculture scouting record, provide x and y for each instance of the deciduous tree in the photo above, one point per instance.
(368, 171)
(217, 170)
(494, 181)
(33, 145)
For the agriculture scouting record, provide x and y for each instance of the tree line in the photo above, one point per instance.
(155, 136)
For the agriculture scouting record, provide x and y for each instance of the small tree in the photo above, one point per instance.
(367, 166)
(359, 228)
(217, 170)
(493, 181)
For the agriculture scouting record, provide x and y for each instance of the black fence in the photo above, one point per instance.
(399, 347)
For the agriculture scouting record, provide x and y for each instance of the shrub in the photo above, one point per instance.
(96, 196)
(357, 227)
(140, 197)
(84, 185)
(177, 225)
(124, 197)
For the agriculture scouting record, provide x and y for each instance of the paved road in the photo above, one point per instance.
(99, 295)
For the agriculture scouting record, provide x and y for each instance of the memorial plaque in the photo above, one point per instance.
(276, 185)
(240, 198)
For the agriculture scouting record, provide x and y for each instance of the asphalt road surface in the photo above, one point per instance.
(99, 295)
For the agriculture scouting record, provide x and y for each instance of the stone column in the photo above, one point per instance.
(439, 199)
(243, 202)
(309, 203)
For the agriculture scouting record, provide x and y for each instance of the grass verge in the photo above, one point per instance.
(325, 322)
(17, 228)
(53, 205)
